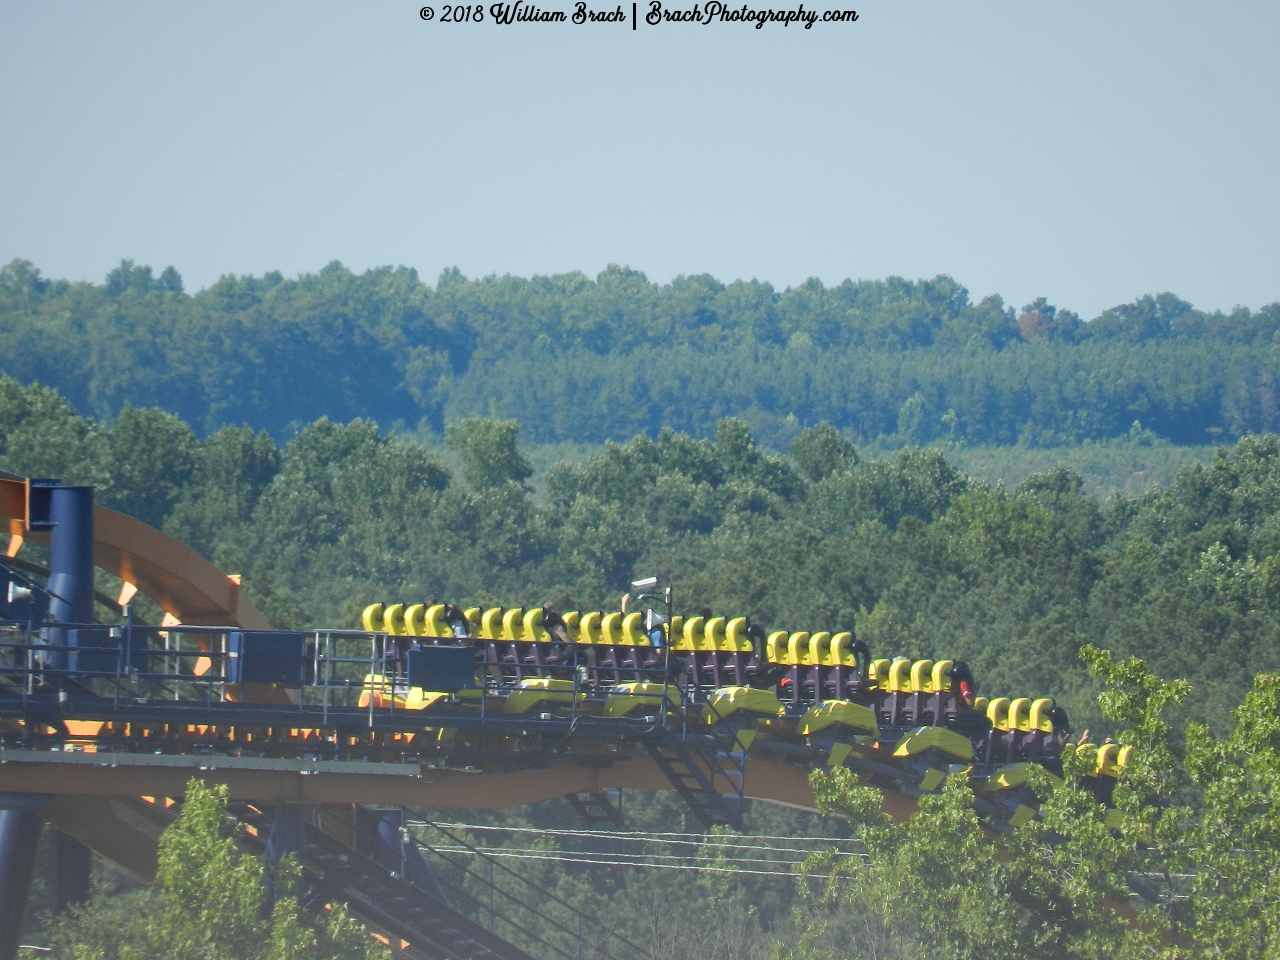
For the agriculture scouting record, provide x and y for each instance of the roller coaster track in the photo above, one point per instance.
(184, 584)
(161, 704)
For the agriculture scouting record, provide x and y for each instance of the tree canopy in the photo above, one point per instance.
(610, 357)
(1196, 834)
(210, 902)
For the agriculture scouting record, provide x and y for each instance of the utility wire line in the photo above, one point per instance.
(650, 837)
(640, 858)
(649, 866)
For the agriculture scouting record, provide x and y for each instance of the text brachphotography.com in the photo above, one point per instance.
(652, 14)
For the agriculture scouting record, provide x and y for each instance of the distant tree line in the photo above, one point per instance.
(588, 360)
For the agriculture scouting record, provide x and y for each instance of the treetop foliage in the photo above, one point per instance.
(610, 357)
(211, 903)
(1197, 834)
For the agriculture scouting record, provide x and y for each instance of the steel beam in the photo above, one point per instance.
(19, 836)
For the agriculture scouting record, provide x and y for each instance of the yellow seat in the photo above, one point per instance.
(413, 619)
(473, 620)
(673, 629)
(611, 627)
(533, 628)
(571, 624)
(393, 619)
(840, 654)
(1086, 753)
(735, 636)
(878, 673)
(1039, 717)
(900, 676)
(922, 676)
(433, 623)
(589, 627)
(776, 647)
(998, 713)
(713, 637)
(980, 704)
(1020, 715)
(1107, 766)
(491, 624)
(942, 676)
(632, 633)
(691, 635)
(819, 649)
(513, 624)
(798, 647)
(371, 618)
(684, 644)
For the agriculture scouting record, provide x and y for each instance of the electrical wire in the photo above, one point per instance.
(632, 857)
(628, 834)
(650, 866)
(643, 837)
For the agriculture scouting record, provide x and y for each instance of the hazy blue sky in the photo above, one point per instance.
(1087, 152)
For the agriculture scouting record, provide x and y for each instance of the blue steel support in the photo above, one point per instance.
(286, 832)
(71, 560)
(71, 869)
(19, 834)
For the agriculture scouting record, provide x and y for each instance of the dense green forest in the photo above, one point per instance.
(582, 360)
(920, 558)
(881, 455)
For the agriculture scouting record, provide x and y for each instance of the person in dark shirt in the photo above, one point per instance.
(1061, 725)
(564, 646)
(964, 686)
(559, 630)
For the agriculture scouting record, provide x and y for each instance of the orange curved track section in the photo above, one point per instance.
(185, 585)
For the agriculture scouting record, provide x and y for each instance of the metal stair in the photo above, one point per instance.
(709, 778)
(398, 908)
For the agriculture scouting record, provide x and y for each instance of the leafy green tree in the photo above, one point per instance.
(820, 451)
(211, 904)
(155, 456)
(236, 466)
(42, 436)
(488, 451)
(1206, 858)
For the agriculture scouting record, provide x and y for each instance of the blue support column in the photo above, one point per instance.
(286, 832)
(71, 871)
(71, 561)
(19, 834)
